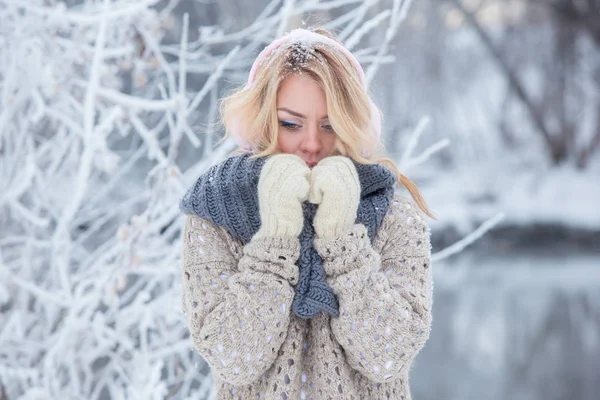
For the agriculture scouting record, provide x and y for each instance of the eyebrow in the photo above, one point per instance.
(294, 113)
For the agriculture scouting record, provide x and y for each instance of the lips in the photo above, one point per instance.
(311, 164)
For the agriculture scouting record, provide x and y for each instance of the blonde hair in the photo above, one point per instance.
(250, 112)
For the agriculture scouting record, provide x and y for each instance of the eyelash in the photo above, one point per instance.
(292, 127)
(289, 125)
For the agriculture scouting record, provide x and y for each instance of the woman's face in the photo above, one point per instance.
(304, 129)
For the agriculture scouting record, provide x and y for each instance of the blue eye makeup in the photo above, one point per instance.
(289, 125)
(292, 126)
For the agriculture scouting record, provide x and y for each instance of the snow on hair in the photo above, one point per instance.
(306, 36)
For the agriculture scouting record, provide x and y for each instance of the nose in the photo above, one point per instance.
(312, 140)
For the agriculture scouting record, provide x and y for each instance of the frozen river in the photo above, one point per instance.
(516, 326)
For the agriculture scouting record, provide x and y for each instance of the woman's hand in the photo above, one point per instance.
(335, 187)
(283, 186)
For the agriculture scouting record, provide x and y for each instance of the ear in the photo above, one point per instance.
(375, 119)
(236, 129)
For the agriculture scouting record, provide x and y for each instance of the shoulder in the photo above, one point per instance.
(208, 240)
(404, 205)
(404, 226)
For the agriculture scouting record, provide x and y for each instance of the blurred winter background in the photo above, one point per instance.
(106, 115)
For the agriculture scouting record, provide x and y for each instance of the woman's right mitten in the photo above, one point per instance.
(283, 186)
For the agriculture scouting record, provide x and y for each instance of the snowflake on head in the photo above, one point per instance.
(300, 54)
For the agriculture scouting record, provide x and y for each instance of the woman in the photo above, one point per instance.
(304, 275)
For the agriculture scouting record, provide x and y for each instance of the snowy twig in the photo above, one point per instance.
(399, 13)
(182, 111)
(74, 17)
(413, 140)
(467, 240)
(213, 79)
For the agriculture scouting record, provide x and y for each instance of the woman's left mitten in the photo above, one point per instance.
(335, 187)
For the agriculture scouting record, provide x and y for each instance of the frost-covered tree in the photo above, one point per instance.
(555, 84)
(104, 121)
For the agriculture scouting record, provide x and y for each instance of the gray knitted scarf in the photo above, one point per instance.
(227, 195)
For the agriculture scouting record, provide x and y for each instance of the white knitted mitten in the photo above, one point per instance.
(282, 187)
(335, 187)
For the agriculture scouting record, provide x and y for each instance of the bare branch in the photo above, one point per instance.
(533, 111)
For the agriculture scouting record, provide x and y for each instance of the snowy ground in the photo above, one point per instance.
(535, 196)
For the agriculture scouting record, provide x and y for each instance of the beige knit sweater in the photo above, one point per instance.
(237, 301)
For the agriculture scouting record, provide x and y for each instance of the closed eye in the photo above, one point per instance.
(289, 125)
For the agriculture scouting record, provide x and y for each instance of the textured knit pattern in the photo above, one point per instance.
(227, 196)
(237, 301)
(283, 186)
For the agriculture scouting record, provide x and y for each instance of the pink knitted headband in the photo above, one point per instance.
(304, 35)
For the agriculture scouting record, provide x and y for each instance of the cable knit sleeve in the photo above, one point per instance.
(237, 311)
(385, 299)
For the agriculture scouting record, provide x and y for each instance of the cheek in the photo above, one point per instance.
(329, 142)
(286, 142)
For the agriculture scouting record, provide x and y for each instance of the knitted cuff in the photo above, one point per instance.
(272, 254)
(345, 253)
(278, 227)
